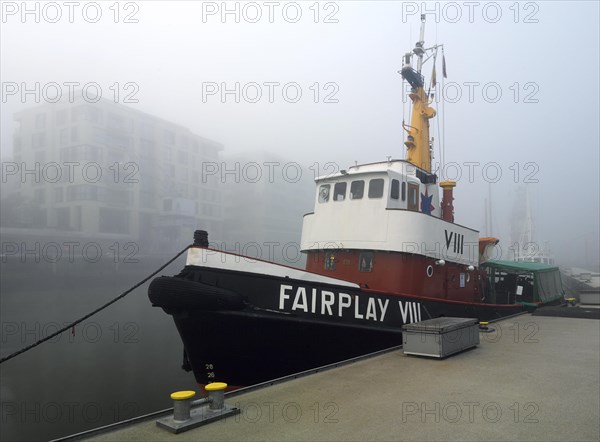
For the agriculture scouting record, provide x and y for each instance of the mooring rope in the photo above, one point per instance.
(74, 323)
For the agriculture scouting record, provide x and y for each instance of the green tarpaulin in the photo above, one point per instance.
(524, 282)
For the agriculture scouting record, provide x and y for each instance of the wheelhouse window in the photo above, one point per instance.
(324, 193)
(403, 191)
(365, 262)
(376, 188)
(339, 191)
(413, 197)
(357, 189)
(329, 261)
(395, 190)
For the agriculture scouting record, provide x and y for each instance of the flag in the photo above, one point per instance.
(444, 66)
(433, 78)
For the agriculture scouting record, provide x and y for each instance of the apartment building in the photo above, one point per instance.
(108, 170)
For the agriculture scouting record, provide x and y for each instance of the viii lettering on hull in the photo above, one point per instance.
(382, 250)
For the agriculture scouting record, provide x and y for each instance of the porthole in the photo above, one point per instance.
(430, 271)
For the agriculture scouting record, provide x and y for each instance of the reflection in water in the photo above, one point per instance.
(121, 363)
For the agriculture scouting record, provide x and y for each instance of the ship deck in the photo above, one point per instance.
(534, 378)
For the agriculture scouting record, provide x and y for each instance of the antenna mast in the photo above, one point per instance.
(418, 141)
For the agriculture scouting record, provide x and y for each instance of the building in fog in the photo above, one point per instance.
(107, 170)
(264, 199)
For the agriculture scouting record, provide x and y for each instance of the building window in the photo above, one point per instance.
(182, 157)
(395, 191)
(376, 188)
(38, 140)
(115, 121)
(184, 174)
(58, 195)
(39, 196)
(39, 218)
(40, 157)
(330, 261)
(169, 137)
(339, 192)
(82, 192)
(63, 137)
(113, 221)
(357, 189)
(147, 200)
(324, 193)
(365, 262)
(40, 121)
(77, 114)
(93, 115)
(63, 218)
(77, 224)
(61, 117)
(81, 153)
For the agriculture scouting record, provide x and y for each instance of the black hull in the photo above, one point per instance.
(245, 348)
(234, 329)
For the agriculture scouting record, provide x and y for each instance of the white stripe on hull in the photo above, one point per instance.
(215, 259)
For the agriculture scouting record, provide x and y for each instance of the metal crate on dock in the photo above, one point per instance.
(440, 337)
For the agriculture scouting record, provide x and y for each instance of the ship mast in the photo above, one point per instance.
(418, 143)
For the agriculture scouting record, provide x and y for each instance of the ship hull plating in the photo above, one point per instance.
(284, 326)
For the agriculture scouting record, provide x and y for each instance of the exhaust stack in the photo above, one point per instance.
(447, 206)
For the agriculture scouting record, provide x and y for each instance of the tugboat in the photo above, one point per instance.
(382, 251)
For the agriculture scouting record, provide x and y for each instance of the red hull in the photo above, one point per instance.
(404, 274)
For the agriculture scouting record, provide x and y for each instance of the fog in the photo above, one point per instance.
(318, 89)
(541, 57)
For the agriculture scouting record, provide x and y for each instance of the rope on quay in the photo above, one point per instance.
(89, 315)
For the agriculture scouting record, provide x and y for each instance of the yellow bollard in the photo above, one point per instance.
(216, 395)
(182, 404)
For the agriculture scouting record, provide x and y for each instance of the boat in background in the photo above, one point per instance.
(528, 283)
(382, 249)
(524, 247)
